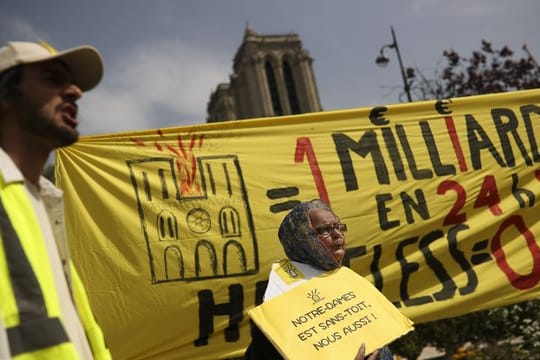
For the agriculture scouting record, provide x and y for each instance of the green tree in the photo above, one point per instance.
(485, 71)
(509, 332)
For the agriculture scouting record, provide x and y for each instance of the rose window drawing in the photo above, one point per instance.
(198, 220)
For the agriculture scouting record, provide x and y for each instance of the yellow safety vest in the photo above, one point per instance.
(28, 299)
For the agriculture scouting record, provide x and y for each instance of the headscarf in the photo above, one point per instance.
(301, 242)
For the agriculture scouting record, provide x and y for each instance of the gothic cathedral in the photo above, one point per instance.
(272, 76)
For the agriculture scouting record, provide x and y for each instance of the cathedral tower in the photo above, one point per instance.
(272, 76)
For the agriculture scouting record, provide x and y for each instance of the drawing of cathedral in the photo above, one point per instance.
(203, 234)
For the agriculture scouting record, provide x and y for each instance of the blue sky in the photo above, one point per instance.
(163, 58)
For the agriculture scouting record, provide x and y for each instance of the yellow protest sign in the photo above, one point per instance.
(174, 230)
(329, 316)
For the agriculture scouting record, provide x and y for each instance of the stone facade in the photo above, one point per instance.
(272, 76)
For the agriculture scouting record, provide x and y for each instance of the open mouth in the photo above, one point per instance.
(69, 111)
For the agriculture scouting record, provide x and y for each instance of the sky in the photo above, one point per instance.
(163, 58)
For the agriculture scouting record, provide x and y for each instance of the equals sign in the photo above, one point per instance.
(480, 257)
(279, 193)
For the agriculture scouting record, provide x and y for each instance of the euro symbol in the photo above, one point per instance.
(442, 106)
(376, 115)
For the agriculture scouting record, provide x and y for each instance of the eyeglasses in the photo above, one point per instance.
(326, 230)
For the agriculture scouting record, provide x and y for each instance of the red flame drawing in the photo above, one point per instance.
(185, 159)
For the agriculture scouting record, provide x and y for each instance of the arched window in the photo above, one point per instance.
(234, 258)
(174, 263)
(205, 255)
(167, 226)
(272, 86)
(229, 222)
(291, 89)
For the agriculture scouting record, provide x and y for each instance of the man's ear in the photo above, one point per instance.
(6, 98)
(10, 85)
(4, 102)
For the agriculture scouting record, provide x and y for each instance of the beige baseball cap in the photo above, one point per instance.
(83, 62)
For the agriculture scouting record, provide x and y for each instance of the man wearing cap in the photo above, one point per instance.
(44, 311)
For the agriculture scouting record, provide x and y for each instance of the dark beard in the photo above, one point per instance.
(34, 123)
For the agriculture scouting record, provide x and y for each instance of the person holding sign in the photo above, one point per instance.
(313, 240)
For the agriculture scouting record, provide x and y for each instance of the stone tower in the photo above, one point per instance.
(272, 76)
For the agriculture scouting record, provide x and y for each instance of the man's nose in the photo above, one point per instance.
(73, 92)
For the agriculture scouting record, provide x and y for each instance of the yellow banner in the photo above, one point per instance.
(329, 316)
(175, 230)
